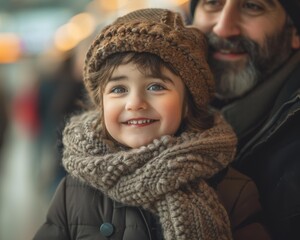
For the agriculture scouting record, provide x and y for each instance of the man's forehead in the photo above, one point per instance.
(270, 2)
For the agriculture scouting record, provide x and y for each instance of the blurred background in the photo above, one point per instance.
(42, 48)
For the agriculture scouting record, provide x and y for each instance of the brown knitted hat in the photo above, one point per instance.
(160, 32)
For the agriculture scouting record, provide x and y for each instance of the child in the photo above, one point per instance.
(145, 153)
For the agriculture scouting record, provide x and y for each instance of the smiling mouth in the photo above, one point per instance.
(140, 122)
(229, 51)
(228, 55)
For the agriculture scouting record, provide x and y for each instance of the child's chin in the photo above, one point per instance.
(139, 144)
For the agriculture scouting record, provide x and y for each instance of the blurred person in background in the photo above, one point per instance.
(3, 118)
(255, 57)
(60, 94)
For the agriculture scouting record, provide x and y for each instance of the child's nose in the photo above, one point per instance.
(135, 102)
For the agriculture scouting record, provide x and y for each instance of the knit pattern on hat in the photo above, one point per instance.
(166, 177)
(160, 32)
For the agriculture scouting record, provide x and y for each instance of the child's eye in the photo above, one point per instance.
(156, 87)
(118, 89)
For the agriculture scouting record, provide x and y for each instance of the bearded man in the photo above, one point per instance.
(255, 57)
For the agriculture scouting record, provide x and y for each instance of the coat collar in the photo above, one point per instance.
(260, 101)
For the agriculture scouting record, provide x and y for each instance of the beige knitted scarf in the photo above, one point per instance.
(166, 177)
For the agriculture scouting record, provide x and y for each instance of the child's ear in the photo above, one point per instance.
(295, 39)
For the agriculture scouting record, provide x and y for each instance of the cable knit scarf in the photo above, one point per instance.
(166, 177)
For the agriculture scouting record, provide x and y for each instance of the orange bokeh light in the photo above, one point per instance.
(10, 47)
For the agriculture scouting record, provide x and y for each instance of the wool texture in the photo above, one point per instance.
(167, 177)
(160, 32)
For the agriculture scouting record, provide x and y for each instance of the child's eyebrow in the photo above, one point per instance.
(118, 78)
(147, 76)
(160, 76)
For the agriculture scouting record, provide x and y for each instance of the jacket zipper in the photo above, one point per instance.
(146, 223)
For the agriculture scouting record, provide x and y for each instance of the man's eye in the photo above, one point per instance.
(212, 2)
(156, 87)
(253, 7)
(212, 5)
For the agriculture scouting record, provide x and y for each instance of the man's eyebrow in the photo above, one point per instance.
(271, 2)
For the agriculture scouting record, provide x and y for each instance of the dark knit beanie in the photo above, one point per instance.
(292, 7)
(160, 32)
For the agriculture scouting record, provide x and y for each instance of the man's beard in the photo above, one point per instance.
(234, 79)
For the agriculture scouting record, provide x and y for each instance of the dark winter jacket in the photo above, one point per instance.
(79, 211)
(267, 123)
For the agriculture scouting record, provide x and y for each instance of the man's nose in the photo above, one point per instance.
(135, 102)
(228, 23)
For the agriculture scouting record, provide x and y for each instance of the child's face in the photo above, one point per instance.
(139, 108)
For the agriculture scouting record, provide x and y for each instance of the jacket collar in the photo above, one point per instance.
(259, 101)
